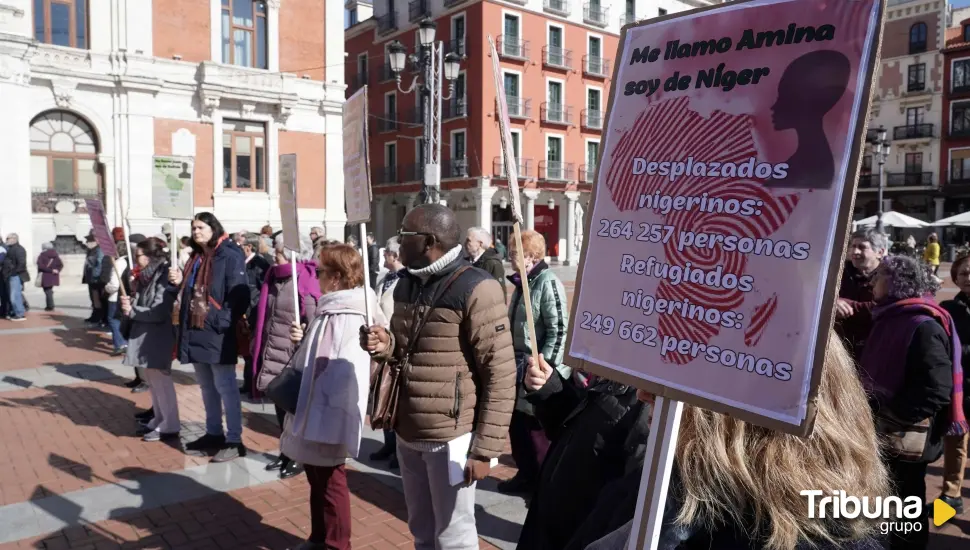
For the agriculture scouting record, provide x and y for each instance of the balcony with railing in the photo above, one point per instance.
(519, 107)
(627, 18)
(592, 119)
(387, 122)
(556, 113)
(556, 171)
(413, 171)
(44, 200)
(384, 72)
(913, 131)
(557, 58)
(386, 175)
(457, 46)
(523, 168)
(959, 131)
(418, 10)
(558, 7)
(386, 23)
(594, 14)
(909, 179)
(455, 168)
(961, 87)
(512, 47)
(587, 174)
(594, 65)
(868, 181)
(450, 3)
(960, 179)
(456, 107)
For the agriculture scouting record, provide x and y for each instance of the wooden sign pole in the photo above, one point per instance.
(655, 480)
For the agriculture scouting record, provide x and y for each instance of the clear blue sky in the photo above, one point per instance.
(960, 3)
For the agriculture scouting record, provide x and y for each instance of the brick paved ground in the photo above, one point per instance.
(63, 439)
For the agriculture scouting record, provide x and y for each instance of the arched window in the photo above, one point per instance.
(917, 38)
(63, 156)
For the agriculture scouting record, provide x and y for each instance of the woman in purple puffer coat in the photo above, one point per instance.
(272, 347)
(49, 265)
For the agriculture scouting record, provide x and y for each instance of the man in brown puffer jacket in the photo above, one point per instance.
(458, 388)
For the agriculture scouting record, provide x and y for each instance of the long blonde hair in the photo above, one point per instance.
(735, 472)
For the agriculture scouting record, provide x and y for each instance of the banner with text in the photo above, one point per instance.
(288, 211)
(722, 203)
(356, 162)
(99, 227)
(172, 179)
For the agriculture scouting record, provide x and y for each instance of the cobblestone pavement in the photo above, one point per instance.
(74, 477)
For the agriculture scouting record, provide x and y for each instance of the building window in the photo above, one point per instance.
(243, 155)
(960, 166)
(867, 164)
(390, 162)
(914, 116)
(917, 38)
(960, 123)
(917, 78)
(244, 33)
(516, 151)
(661, 12)
(592, 154)
(352, 17)
(914, 163)
(961, 75)
(966, 33)
(63, 157)
(61, 22)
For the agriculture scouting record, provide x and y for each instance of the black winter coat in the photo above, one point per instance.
(492, 263)
(598, 437)
(959, 309)
(255, 275)
(216, 342)
(15, 262)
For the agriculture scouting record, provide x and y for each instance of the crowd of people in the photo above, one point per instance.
(312, 327)
(909, 353)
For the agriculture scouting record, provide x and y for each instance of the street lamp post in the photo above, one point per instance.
(880, 148)
(436, 66)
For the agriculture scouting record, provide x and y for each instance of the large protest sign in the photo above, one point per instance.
(172, 179)
(288, 211)
(357, 190)
(99, 227)
(722, 202)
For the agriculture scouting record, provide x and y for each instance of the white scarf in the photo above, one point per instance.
(438, 265)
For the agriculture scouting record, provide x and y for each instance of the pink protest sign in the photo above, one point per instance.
(722, 204)
(99, 226)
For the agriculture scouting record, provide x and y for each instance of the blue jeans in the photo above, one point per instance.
(219, 387)
(116, 339)
(16, 296)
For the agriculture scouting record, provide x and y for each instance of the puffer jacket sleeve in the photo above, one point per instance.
(553, 315)
(487, 325)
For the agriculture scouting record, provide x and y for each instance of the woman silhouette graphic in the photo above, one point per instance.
(810, 87)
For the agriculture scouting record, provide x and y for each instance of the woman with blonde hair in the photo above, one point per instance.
(931, 254)
(736, 485)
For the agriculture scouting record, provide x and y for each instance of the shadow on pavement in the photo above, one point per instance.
(84, 406)
(84, 371)
(172, 511)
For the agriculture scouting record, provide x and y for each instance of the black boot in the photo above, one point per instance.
(277, 463)
(290, 469)
(383, 453)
